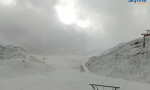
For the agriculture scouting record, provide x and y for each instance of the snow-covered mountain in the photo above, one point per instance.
(127, 61)
(106, 52)
(10, 51)
(17, 62)
(28, 71)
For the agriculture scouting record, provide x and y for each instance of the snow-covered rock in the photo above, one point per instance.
(127, 61)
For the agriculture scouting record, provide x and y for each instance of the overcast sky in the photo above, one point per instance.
(71, 26)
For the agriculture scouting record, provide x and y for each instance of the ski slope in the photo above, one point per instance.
(85, 68)
(54, 72)
(66, 80)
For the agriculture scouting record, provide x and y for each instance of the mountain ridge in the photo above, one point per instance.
(129, 61)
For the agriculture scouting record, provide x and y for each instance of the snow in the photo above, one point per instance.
(65, 81)
(129, 61)
(55, 72)
(107, 51)
(15, 67)
(85, 68)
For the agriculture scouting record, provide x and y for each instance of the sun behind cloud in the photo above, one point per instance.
(68, 15)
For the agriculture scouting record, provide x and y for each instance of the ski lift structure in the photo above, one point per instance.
(144, 35)
(95, 87)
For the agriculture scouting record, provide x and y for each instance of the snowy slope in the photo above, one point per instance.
(63, 62)
(67, 80)
(10, 51)
(128, 61)
(16, 62)
(107, 51)
(55, 72)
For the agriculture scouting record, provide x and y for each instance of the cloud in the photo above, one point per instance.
(99, 25)
(39, 29)
(121, 21)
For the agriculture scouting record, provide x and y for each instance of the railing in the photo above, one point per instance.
(95, 86)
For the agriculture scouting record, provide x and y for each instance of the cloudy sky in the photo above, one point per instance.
(71, 26)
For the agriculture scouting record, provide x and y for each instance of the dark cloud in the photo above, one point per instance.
(35, 25)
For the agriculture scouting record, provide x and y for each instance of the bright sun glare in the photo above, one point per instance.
(67, 13)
